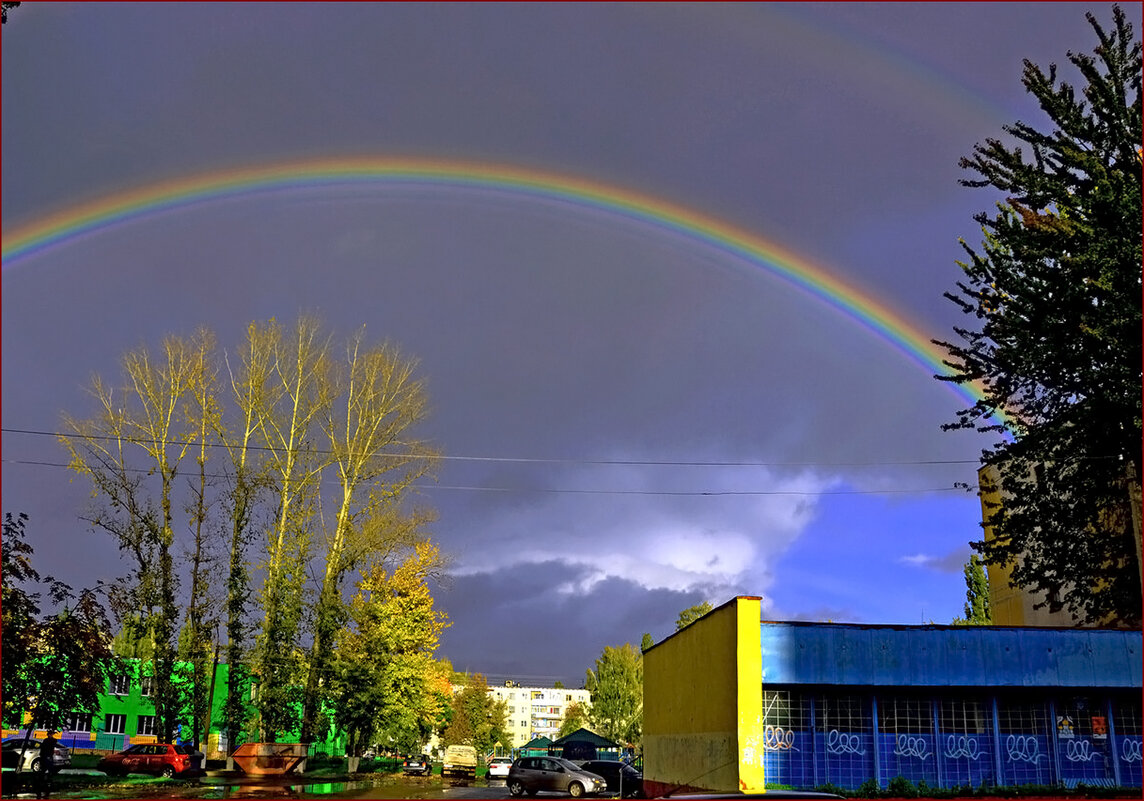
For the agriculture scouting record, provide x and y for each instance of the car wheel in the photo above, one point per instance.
(167, 772)
(575, 789)
(516, 788)
(35, 767)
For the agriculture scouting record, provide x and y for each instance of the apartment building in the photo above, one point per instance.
(533, 712)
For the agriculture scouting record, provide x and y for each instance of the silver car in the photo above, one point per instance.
(534, 774)
(61, 757)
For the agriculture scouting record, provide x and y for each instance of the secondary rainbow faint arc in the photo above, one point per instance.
(153, 199)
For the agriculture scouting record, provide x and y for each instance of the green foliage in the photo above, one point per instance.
(691, 614)
(901, 787)
(4, 8)
(646, 642)
(616, 686)
(478, 719)
(53, 664)
(1054, 334)
(977, 610)
(576, 716)
(385, 684)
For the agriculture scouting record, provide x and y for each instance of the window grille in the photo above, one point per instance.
(147, 687)
(965, 742)
(1083, 748)
(1126, 723)
(1026, 746)
(116, 724)
(788, 742)
(119, 685)
(844, 739)
(145, 725)
(906, 739)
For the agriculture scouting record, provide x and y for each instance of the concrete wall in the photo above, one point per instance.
(702, 705)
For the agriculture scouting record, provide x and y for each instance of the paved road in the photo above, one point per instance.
(409, 787)
(378, 786)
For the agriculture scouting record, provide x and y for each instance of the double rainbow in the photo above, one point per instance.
(154, 199)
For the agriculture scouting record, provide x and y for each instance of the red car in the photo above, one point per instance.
(162, 759)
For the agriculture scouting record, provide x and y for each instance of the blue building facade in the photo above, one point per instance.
(950, 705)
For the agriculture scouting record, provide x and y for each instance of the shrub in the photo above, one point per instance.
(901, 787)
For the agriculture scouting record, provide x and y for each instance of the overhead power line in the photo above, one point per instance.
(578, 491)
(540, 460)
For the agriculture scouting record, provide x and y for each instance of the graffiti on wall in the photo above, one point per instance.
(1023, 748)
(961, 747)
(776, 738)
(839, 743)
(915, 747)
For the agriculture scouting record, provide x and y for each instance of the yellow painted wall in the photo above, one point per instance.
(1009, 605)
(703, 704)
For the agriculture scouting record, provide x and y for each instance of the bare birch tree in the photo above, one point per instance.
(367, 428)
(297, 400)
(141, 432)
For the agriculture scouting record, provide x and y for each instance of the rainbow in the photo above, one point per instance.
(140, 203)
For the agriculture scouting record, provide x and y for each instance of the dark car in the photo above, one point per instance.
(533, 774)
(419, 765)
(161, 759)
(622, 778)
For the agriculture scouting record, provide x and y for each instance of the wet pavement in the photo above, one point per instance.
(360, 786)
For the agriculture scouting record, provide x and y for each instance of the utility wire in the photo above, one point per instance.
(556, 490)
(530, 460)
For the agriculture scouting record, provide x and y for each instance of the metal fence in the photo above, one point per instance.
(950, 739)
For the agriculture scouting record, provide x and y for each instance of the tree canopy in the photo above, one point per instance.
(977, 609)
(386, 683)
(284, 460)
(691, 614)
(616, 686)
(1053, 338)
(55, 664)
(576, 716)
(478, 719)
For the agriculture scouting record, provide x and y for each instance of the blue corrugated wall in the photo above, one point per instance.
(949, 656)
(992, 706)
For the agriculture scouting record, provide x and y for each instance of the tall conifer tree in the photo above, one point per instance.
(1052, 296)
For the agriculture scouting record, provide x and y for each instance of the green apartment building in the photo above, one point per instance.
(126, 716)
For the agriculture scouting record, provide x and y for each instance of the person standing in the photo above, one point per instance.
(47, 766)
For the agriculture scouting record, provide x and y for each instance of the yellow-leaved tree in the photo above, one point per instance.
(386, 683)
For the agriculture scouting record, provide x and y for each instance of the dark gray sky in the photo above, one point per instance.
(549, 331)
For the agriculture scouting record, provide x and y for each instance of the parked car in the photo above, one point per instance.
(161, 759)
(622, 778)
(61, 757)
(419, 765)
(499, 767)
(533, 774)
